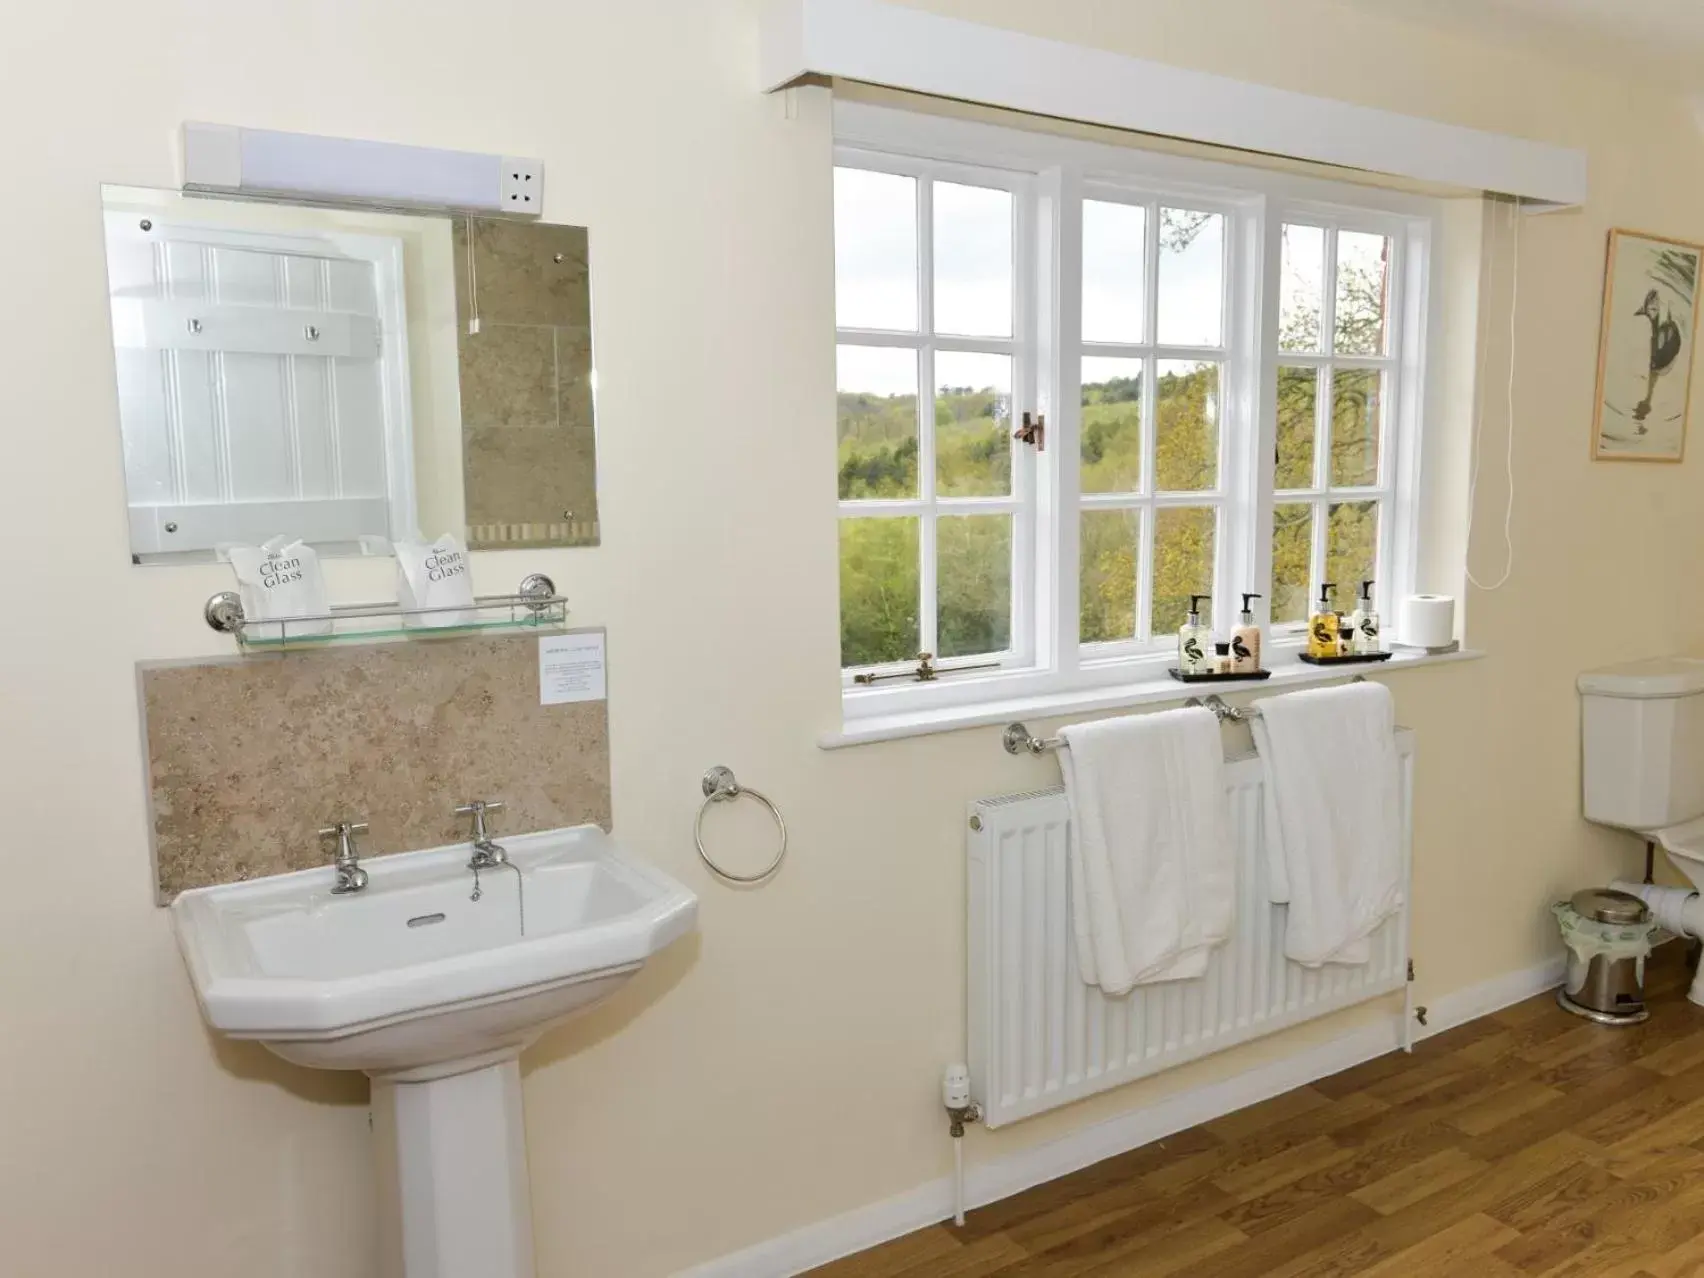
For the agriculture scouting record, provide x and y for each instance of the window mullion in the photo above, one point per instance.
(1326, 377)
(928, 586)
(928, 569)
(1316, 555)
(1059, 294)
(1025, 390)
(1145, 573)
(1263, 359)
(1150, 426)
(1150, 483)
(1151, 277)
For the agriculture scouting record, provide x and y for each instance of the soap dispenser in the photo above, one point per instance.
(1245, 641)
(1322, 626)
(1194, 641)
(1365, 620)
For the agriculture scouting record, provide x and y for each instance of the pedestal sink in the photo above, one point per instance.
(434, 995)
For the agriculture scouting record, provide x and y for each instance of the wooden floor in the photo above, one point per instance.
(1526, 1143)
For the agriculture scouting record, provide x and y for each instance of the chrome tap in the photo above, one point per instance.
(486, 853)
(350, 876)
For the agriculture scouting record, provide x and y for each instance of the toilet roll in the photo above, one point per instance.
(1428, 621)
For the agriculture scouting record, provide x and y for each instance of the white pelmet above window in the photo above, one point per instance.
(1079, 383)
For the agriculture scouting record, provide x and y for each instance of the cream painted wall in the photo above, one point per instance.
(782, 1067)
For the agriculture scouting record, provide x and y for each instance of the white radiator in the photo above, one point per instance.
(1040, 1037)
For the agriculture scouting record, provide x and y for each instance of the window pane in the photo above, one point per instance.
(1298, 396)
(1112, 425)
(878, 591)
(1186, 434)
(1363, 268)
(1114, 240)
(1292, 556)
(875, 250)
(973, 260)
(1107, 611)
(1192, 277)
(1301, 287)
(1183, 565)
(877, 421)
(973, 416)
(1356, 413)
(974, 583)
(1352, 548)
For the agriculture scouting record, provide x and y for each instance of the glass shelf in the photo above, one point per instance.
(535, 606)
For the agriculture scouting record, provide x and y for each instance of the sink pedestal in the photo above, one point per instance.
(433, 993)
(453, 1192)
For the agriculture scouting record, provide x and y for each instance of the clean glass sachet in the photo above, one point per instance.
(280, 578)
(434, 575)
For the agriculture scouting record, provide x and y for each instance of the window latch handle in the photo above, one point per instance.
(1033, 432)
(925, 671)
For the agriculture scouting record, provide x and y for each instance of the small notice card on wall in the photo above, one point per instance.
(571, 668)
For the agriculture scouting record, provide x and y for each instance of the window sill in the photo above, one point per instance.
(1287, 672)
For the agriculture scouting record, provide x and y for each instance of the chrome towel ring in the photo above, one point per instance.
(720, 786)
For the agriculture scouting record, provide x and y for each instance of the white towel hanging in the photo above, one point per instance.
(1333, 817)
(1151, 874)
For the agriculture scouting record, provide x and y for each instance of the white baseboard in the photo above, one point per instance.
(1492, 995)
(929, 1203)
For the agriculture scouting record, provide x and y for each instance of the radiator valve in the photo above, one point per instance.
(955, 1095)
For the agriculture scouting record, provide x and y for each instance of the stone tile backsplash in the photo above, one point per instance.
(248, 757)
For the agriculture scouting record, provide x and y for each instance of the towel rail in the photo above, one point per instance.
(1018, 739)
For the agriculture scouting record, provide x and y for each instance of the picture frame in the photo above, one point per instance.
(1651, 296)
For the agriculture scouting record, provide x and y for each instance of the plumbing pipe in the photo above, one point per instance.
(1679, 910)
(961, 1109)
(958, 1180)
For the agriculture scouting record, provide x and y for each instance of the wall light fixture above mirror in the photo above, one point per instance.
(348, 376)
(223, 159)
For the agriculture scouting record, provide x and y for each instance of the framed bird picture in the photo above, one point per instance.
(1650, 324)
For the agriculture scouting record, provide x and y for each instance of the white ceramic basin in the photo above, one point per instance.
(410, 978)
(435, 995)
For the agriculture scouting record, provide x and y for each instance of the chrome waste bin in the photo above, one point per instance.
(1608, 935)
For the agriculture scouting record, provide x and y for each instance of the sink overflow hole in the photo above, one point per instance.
(425, 920)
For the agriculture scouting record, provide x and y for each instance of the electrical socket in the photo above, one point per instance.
(521, 189)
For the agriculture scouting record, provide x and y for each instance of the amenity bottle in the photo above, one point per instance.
(1365, 620)
(1322, 625)
(1194, 641)
(1245, 641)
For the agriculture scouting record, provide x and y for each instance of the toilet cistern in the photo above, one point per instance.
(1642, 725)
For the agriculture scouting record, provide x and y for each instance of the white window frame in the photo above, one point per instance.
(1061, 172)
(1395, 373)
(928, 507)
(1235, 355)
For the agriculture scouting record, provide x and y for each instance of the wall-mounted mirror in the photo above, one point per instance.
(349, 377)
